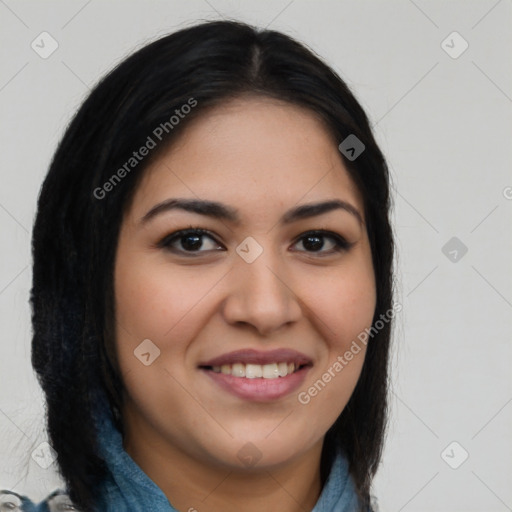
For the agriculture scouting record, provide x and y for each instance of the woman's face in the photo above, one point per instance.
(255, 296)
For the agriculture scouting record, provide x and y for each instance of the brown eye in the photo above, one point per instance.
(314, 242)
(189, 241)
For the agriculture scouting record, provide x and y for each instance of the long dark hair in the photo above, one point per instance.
(77, 225)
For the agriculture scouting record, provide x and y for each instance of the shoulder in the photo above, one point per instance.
(57, 501)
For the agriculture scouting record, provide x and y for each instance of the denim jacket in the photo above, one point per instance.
(128, 489)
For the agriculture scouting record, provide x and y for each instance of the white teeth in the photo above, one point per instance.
(238, 370)
(283, 369)
(270, 371)
(255, 371)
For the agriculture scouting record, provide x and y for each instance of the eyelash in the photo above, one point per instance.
(340, 244)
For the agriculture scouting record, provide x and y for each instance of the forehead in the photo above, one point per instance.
(252, 149)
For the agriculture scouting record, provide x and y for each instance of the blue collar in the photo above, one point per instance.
(129, 489)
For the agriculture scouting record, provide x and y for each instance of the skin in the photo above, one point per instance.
(262, 157)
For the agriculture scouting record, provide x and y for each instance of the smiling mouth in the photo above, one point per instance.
(257, 371)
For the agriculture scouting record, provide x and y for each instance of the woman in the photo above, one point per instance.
(212, 254)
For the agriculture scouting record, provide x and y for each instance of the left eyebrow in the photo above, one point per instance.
(304, 211)
(224, 212)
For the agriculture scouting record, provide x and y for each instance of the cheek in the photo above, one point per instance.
(157, 304)
(155, 301)
(343, 303)
(168, 306)
(344, 307)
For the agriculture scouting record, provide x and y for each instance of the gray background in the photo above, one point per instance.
(444, 124)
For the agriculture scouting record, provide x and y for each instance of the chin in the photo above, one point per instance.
(258, 451)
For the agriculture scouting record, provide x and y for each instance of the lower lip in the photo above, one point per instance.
(259, 389)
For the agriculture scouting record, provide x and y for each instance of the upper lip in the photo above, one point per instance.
(251, 356)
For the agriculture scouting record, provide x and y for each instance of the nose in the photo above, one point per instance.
(260, 295)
